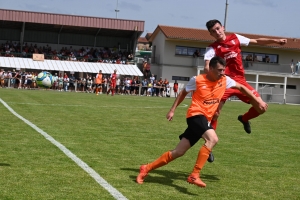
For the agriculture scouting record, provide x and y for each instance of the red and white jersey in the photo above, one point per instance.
(230, 50)
(113, 78)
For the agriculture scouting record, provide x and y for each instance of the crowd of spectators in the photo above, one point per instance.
(125, 85)
(84, 54)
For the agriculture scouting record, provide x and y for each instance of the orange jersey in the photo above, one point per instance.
(207, 96)
(98, 79)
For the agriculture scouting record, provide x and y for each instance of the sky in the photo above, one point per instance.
(263, 17)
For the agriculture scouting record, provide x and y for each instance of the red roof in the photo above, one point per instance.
(71, 20)
(192, 34)
(142, 40)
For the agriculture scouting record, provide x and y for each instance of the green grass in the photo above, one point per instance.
(115, 135)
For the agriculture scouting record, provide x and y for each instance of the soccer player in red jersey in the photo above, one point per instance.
(113, 81)
(208, 90)
(229, 48)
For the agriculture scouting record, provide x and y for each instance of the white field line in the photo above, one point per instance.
(114, 192)
(78, 105)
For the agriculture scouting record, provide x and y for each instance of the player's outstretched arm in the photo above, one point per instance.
(181, 96)
(263, 41)
(258, 103)
(206, 66)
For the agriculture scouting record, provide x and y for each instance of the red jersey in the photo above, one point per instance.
(230, 50)
(113, 78)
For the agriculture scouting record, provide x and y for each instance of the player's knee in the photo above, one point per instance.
(261, 111)
(212, 141)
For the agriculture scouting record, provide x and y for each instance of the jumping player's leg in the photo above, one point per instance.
(214, 121)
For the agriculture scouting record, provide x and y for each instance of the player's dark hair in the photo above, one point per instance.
(217, 60)
(211, 23)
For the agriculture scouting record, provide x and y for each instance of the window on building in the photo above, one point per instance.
(188, 51)
(289, 87)
(180, 78)
(259, 57)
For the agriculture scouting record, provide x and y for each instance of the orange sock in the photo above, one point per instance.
(96, 90)
(161, 161)
(252, 113)
(201, 160)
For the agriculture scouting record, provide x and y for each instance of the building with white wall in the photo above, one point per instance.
(172, 58)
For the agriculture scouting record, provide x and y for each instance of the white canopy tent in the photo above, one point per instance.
(68, 66)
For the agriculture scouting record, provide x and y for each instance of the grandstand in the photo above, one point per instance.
(94, 43)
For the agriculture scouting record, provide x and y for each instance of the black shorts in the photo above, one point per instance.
(99, 85)
(197, 126)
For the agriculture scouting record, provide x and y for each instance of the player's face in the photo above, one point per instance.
(218, 71)
(217, 31)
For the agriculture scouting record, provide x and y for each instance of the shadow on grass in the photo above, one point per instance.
(168, 178)
(4, 164)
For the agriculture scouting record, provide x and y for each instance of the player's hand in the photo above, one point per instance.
(282, 41)
(170, 115)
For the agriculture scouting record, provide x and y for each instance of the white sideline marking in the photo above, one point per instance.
(114, 192)
(74, 105)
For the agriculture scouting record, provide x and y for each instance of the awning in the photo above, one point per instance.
(69, 66)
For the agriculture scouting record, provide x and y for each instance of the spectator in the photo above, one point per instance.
(118, 82)
(127, 86)
(72, 82)
(133, 87)
(60, 82)
(130, 57)
(137, 85)
(297, 67)
(292, 66)
(152, 78)
(196, 54)
(144, 87)
(55, 82)
(175, 88)
(149, 90)
(66, 82)
(89, 83)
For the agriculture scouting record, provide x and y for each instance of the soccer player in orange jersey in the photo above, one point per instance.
(98, 82)
(208, 90)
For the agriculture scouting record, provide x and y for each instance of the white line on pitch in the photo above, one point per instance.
(77, 105)
(114, 192)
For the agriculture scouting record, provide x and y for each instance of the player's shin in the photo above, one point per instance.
(201, 159)
(252, 113)
(161, 161)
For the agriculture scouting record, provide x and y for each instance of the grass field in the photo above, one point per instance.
(115, 135)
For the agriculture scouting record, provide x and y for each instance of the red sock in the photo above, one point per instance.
(214, 124)
(252, 113)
